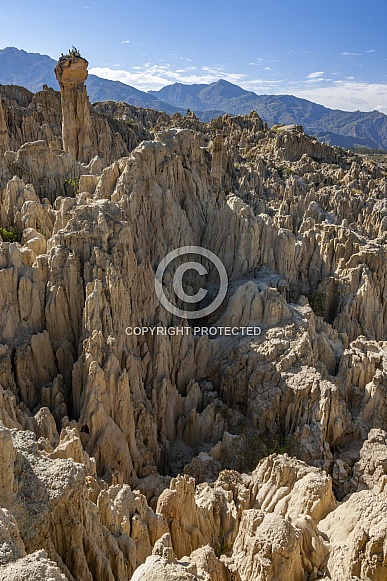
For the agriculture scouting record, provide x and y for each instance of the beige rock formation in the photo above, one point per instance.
(12, 546)
(370, 471)
(7, 460)
(4, 136)
(156, 568)
(87, 530)
(71, 73)
(33, 567)
(208, 566)
(174, 456)
(271, 547)
(356, 532)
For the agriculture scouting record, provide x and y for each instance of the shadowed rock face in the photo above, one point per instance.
(71, 73)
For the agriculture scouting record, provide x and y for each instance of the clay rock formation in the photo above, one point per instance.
(357, 536)
(4, 137)
(38, 117)
(58, 487)
(71, 73)
(33, 567)
(187, 456)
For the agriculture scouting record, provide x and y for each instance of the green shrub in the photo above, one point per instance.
(256, 446)
(9, 235)
(222, 547)
(317, 302)
(71, 186)
(74, 52)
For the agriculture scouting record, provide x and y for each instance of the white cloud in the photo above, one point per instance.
(155, 76)
(372, 50)
(125, 41)
(351, 53)
(346, 94)
(268, 69)
(316, 75)
(258, 61)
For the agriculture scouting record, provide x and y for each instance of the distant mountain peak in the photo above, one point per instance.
(226, 88)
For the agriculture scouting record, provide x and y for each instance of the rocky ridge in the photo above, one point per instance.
(182, 457)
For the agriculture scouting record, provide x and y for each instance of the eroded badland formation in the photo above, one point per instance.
(180, 457)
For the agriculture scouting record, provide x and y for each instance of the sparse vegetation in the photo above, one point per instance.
(74, 53)
(71, 186)
(222, 546)
(256, 446)
(10, 235)
(317, 302)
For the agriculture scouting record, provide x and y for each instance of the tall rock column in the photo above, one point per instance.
(4, 136)
(217, 161)
(7, 461)
(71, 73)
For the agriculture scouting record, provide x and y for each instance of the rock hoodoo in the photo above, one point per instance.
(71, 73)
(4, 137)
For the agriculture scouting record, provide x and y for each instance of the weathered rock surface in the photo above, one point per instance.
(183, 456)
(33, 567)
(356, 532)
(71, 73)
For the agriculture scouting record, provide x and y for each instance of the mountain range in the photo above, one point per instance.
(343, 128)
(336, 127)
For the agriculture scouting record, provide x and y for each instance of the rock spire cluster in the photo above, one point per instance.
(187, 457)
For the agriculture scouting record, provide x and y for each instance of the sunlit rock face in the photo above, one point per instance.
(71, 73)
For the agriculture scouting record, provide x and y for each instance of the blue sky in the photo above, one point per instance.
(331, 52)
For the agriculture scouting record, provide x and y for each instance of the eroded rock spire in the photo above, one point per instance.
(71, 73)
(4, 136)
